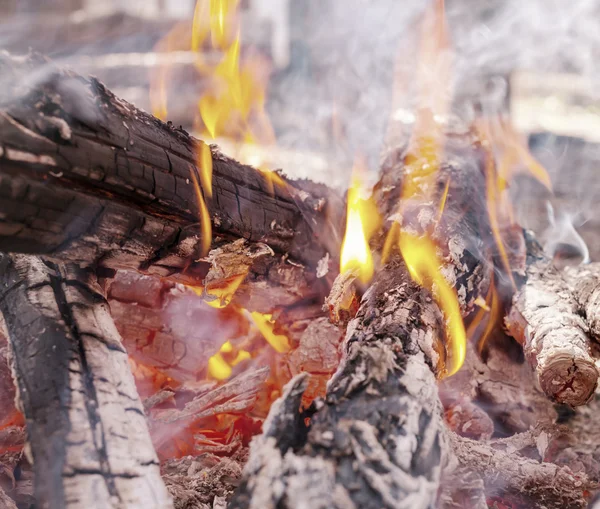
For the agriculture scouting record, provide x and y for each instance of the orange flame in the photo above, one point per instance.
(420, 256)
(220, 364)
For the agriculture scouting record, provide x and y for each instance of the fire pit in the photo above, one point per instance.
(183, 329)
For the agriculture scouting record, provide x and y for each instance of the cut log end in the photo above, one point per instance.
(569, 380)
(545, 319)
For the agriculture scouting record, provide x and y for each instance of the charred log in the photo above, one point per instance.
(90, 179)
(85, 422)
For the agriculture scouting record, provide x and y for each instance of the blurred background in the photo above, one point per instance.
(328, 69)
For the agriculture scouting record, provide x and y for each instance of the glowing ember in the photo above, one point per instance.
(422, 262)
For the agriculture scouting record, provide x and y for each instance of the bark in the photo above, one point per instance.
(544, 318)
(519, 479)
(585, 282)
(88, 178)
(378, 438)
(86, 426)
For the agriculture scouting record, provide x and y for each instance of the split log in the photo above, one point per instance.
(88, 178)
(544, 318)
(378, 438)
(86, 426)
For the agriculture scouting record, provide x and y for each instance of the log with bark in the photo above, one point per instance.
(545, 319)
(88, 178)
(378, 439)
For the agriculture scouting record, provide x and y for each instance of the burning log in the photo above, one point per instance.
(88, 178)
(544, 318)
(383, 397)
(85, 422)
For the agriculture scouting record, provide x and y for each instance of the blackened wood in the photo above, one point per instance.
(87, 177)
(86, 426)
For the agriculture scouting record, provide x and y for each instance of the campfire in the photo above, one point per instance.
(184, 325)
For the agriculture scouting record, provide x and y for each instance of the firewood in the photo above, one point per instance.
(85, 422)
(544, 318)
(585, 282)
(88, 178)
(203, 480)
(519, 479)
(383, 398)
(5, 501)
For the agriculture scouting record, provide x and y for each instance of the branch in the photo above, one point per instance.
(544, 318)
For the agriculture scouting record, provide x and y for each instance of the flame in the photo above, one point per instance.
(221, 295)
(233, 102)
(423, 264)
(362, 221)
(488, 315)
(507, 156)
(420, 176)
(220, 364)
(205, 224)
(265, 324)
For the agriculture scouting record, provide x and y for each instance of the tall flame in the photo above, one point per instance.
(421, 171)
(507, 156)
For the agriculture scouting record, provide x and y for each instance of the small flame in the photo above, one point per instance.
(487, 317)
(221, 295)
(424, 266)
(265, 324)
(221, 364)
(361, 222)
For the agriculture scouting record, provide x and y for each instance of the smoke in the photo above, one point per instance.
(334, 99)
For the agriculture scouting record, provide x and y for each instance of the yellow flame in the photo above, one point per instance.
(507, 156)
(220, 364)
(265, 324)
(356, 253)
(421, 175)
(424, 266)
(362, 220)
(221, 295)
(205, 224)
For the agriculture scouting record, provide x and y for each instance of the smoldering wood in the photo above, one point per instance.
(85, 422)
(544, 318)
(378, 439)
(90, 179)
